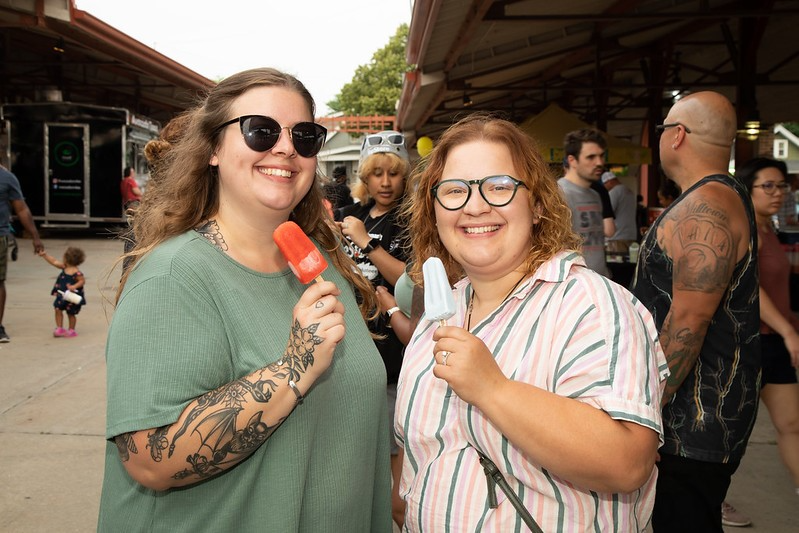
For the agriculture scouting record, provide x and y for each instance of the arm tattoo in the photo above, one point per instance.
(215, 415)
(299, 352)
(157, 442)
(682, 350)
(125, 445)
(210, 230)
(704, 249)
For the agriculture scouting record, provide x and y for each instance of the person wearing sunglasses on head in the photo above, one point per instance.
(238, 398)
(547, 369)
(376, 241)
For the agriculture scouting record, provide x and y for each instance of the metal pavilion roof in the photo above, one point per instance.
(613, 63)
(49, 49)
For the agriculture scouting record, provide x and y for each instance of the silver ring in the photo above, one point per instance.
(444, 356)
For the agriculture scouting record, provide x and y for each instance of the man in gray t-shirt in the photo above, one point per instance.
(585, 157)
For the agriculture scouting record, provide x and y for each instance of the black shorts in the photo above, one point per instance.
(777, 367)
(689, 495)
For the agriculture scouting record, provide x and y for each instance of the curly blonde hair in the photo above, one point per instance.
(551, 235)
(183, 165)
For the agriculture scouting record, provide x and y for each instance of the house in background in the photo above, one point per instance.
(344, 136)
(341, 149)
(785, 147)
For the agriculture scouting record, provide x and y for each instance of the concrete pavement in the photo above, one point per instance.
(52, 408)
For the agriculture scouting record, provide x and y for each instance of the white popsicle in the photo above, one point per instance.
(439, 303)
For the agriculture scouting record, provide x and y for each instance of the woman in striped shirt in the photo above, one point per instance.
(549, 369)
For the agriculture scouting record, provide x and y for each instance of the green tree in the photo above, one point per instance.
(375, 87)
(793, 127)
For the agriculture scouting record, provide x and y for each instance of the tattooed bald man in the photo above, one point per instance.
(697, 274)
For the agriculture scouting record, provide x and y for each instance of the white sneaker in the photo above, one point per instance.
(730, 516)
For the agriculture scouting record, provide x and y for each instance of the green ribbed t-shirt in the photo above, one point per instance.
(192, 319)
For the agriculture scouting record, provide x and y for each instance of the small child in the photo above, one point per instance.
(71, 279)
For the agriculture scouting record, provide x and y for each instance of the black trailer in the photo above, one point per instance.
(69, 159)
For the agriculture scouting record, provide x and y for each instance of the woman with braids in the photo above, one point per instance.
(239, 399)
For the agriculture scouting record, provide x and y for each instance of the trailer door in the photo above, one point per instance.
(67, 171)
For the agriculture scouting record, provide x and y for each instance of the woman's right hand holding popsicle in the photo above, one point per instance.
(317, 326)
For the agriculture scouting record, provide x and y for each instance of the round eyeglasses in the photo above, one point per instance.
(771, 187)
(497, 191)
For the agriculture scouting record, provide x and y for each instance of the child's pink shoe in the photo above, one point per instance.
(71, 333)
(59, 332)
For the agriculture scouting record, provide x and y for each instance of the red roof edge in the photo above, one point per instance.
(128, 50)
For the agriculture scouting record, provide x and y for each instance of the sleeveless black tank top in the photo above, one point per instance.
(712, 414)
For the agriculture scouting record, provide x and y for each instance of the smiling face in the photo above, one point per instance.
(488, 242)
(766, 205)
(264, 183)
(386, 182)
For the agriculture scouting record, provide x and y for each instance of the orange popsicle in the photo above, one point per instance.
(304, 259)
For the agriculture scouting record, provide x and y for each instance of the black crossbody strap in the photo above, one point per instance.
(495, 478)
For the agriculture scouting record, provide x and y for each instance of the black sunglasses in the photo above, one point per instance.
(262, 133)
(660, 128)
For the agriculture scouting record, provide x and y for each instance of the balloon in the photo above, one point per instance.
(424, 146)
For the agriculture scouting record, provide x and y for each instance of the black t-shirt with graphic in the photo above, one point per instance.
(393, 239)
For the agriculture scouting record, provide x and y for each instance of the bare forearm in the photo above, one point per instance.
(402, 326)
(571, 439)
(26, 218)
(609, 226)
(389, 266)
(52, 260)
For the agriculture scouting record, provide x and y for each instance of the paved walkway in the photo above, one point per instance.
(52, 408)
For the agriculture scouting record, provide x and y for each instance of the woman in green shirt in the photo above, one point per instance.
(215, 343)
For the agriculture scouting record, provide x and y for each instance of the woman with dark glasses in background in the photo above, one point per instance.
(767, 182)
(375, 241)
(233, 405)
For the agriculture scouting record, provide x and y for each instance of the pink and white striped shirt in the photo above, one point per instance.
(567, 330)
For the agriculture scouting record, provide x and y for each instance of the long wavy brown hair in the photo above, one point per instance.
(186, 188)
(551, 235)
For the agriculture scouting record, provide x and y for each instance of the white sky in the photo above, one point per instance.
(321, 42)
